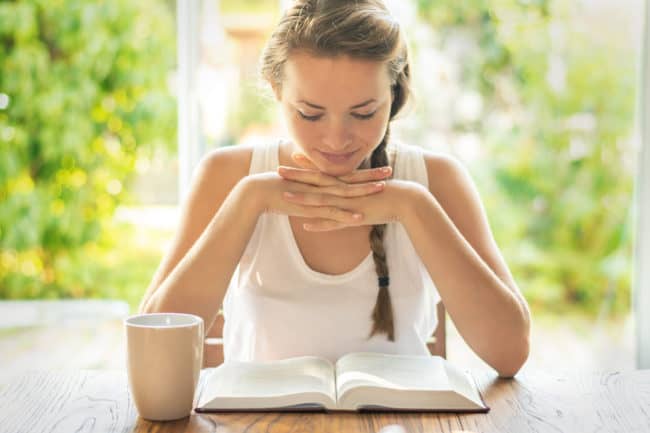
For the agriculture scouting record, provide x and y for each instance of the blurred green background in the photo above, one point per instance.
(86, 83)
(88, 96)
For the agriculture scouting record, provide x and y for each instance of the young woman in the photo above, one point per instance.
(336, 239)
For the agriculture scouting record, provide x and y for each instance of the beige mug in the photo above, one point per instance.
(164, 360)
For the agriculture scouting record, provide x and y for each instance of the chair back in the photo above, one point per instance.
(437, 344)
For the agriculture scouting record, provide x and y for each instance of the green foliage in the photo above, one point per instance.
(87, 88)
(560, 188)
(105, 269)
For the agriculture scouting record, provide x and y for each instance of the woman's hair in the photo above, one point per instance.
(360, 29)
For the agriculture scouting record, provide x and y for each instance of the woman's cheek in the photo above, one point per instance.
(374, 131)
(303, 135)
(300, 130)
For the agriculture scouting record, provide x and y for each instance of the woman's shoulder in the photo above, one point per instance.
(229, 164)
(228, 161)
(218, 172)
(445, 172)
(452, 185)
(436, 163)
(441, 165)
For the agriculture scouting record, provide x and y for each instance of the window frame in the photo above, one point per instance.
(641, 289)
(190, 142)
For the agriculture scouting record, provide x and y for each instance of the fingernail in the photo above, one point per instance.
(379, 185)
(289, 194)
(299, 156)
(357, 216)
(386, 170)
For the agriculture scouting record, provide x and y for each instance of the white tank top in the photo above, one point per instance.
(277, 307)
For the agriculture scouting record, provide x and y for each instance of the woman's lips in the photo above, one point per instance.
(337, 158)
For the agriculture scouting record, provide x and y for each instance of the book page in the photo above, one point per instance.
(306, 374)
(391, 371)
(463, 383)
(422, 382)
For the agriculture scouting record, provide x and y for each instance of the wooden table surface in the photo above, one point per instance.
(99, 401)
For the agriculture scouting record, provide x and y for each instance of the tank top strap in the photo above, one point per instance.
(409, 163)
(264, 157)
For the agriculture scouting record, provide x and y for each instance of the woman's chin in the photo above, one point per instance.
(336, 170)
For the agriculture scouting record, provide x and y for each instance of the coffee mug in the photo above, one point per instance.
(164, 360)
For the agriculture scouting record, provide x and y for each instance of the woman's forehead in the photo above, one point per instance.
(342, 77)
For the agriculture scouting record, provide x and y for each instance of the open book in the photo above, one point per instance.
(360, 381)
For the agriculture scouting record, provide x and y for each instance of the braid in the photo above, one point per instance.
(382, 314)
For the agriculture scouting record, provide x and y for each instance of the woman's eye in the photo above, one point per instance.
(364, 116)
(318, 116)
(310, 118)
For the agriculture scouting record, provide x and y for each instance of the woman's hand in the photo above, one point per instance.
(357, 193)
(269, 192)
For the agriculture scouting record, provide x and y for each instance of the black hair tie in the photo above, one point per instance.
(383, 281)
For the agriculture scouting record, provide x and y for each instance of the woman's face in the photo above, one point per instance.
(336, 109)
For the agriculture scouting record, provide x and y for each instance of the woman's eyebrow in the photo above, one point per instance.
(352, 107)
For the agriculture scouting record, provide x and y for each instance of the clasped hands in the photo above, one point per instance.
(363, 197)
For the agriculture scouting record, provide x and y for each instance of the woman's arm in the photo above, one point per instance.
(218, 221)
(449, 229)
(450, 232)
(215, 227)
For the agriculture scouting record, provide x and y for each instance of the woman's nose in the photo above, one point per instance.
(338, 136)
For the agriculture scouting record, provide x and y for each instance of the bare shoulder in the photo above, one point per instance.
(447, 177)
(215, 176)
(453, 187)
(225, 165)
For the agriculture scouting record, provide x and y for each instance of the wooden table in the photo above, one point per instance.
(99, 401)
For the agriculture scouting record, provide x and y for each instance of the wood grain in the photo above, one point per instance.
(99, 401)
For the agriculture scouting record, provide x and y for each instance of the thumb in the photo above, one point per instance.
(302, 160)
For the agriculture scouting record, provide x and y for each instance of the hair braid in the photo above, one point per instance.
(382, 314)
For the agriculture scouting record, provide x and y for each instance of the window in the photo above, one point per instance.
(538, 101)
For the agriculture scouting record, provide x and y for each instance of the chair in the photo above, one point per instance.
(213, 347)
(437, 344)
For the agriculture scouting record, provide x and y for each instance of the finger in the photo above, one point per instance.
(303, 161)
(324, 212)
(311, 177)
(312, 199)
(334, 213)
(320, 199)
(353, 189)
(367, 175)
(322, 225)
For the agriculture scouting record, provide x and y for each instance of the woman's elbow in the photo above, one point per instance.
(515, 360)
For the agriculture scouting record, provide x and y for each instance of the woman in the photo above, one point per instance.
(339, 240)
